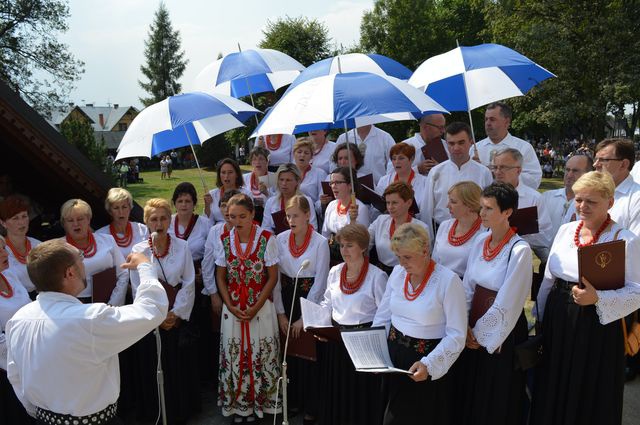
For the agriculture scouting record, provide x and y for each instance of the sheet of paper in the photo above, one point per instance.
(313, 315)
(368, 350)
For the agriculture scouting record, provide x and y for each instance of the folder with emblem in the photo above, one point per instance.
(483, 299)
(434, 149)
(525, 220)
(103, 284)
(603, 264)
(280, 222)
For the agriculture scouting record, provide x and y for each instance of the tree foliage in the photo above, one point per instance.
(33, 62)
(80, 134)
(305, 40)
(165, 61)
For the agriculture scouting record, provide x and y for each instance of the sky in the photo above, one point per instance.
(108, 36)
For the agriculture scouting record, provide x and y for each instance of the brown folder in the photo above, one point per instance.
(366, 180)
(326, 189)
(280, 222)
(172, 292)
(434, 149)
(330, 333)
(303, 347)
(369, 196)
(603, 264)
(483, 298)
(104, 283)
(525, 220)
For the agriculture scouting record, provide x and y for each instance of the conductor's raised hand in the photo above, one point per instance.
(585, 296)
(419, 371)
(134, 259)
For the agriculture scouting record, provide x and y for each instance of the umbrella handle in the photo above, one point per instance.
(204, 185)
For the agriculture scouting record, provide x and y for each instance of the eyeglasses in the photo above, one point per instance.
(336, 183)
(503, 167)
(439, 127)
(605, 160)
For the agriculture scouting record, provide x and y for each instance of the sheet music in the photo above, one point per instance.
(313, 315)
(369, 351)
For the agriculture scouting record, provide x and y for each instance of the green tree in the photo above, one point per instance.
(80, 134)
(165, 62)
(33, 62)
(305, 40)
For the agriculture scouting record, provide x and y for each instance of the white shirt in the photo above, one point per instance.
(197, 237)
(626, 206)
(311, 185)
(8, 307)
(418, 142)
(442, 177)
(216, 215)
(359, 307)
(322, 159)
(557, 205)
(283, 154)
(510, 275)
(140, 233)
(379, 236)
(420, 191)
(541, 241)
(178, 269)
(273, 206)
(63, 355)
(452, 257)
(334, 221)
(563, 264)
(376, 150)
(19, 270)
(107, 255)
(270, 190)
(318, 255)
(439, 312)
(211, 247)
(531, 171)
(635, 172)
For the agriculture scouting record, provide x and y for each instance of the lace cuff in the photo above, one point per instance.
(614, 305)
(492, 329)
(439, 361)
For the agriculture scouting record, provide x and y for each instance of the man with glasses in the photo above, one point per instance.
(374, 144)
(431, 130)
(497, 119)
(616, 157)
(507, 168)
(560, 201)
(63, 355)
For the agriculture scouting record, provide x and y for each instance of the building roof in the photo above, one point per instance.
(111, 115)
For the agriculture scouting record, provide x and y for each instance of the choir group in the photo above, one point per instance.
(413, 266)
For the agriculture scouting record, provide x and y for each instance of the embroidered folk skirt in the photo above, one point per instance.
(408, 401)
(249, 363)
(581, 377)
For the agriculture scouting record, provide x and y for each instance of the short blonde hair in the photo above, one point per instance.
(596, 180)
(73, 204)
(303, 142)
(354, 232)
(155, 204)
(117, 194)
(410, 236)
(469, 193)
(298, 201)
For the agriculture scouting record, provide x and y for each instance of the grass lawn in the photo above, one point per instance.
(154, 187)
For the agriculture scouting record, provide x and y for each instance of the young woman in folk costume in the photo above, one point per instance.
(249, 355)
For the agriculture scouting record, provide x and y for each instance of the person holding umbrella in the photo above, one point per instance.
(228, 177)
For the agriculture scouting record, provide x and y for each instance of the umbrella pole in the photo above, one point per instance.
(346, 134)
(466, 95)
(249, 89)
(204, 186)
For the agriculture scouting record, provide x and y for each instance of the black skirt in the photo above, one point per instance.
(11, 410)
(581, 377)
(347, 397)
(180, 371)
(487, 387)
(410, 402)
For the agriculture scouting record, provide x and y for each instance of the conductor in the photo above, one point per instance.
(63, 355)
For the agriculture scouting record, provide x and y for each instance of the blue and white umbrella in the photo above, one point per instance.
(353, 99)
(466, 78)
(182, 120)
(354, 62)
(248, 72)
